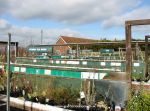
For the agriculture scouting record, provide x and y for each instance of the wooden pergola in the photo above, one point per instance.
(128, 33)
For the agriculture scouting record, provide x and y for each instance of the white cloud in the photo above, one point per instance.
(139, 13)
(4, 6)
(69, 11)
(4, 24)
(111, 13)
(140, 31)
(24, 35)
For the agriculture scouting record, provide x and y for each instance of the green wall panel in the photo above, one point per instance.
(63, 73)
(40, 71)
(12, 68)
(30, 70)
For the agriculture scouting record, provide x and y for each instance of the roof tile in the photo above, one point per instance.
(76, 40)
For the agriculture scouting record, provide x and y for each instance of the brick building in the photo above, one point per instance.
(62, 50)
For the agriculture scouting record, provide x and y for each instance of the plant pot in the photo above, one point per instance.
(42, 99)
(52, 102)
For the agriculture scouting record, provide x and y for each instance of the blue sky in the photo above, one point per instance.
(95, 19)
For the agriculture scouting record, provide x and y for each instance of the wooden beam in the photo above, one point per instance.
(90, 43)
(5, 43)
(138, 22)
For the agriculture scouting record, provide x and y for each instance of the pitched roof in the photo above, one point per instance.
(76, 40)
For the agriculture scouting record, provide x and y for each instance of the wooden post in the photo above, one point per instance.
(77, 51)
(8, 72)
(128, 57)
(17, 53)
(146, 56)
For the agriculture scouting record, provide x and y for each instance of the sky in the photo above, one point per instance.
(94, 19)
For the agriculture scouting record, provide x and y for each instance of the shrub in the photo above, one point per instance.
(139, 101)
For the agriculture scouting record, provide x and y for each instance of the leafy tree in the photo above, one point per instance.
(139, 101)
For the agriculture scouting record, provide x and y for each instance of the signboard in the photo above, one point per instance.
(40, 49)
(106, 50)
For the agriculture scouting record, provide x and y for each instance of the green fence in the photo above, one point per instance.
(138, 66)
(74, 68)
(68, 73)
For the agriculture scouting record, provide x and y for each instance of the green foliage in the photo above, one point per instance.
(104, 46)
(138, 76)
(139, 102)
(2, 83)
(61, 90)
(2, 79)
(63, 94)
